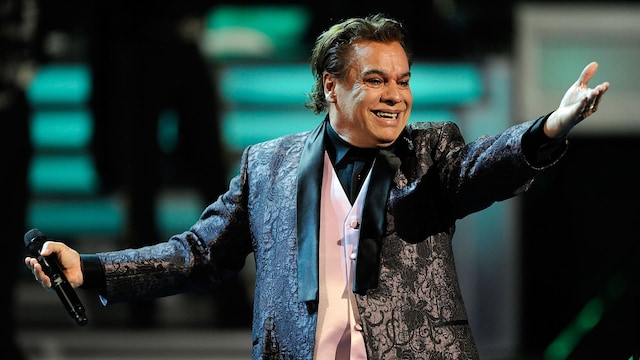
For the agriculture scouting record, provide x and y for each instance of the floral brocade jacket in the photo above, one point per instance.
(406, 287)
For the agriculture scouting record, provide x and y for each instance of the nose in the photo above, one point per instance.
(391, 94)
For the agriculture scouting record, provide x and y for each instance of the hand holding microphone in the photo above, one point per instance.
(34, 240)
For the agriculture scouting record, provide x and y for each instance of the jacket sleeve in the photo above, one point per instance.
(214, 248)
(474, 175)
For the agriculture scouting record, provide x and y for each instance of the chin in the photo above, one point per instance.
(384, 142)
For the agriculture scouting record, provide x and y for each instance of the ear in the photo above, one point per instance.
(329, 84)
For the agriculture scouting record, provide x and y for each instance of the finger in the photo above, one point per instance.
(602, 88)
(588, 73)
(596, 101)
(36, 269)
(585, 109)
(599, 91)
(30, 262)
(45, 249)
(40, 276)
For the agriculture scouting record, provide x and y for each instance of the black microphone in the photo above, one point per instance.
(33, 240)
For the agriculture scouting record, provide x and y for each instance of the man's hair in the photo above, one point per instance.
(332, 51)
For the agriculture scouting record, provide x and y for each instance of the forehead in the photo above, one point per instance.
(379, 56)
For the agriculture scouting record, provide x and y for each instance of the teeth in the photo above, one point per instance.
(386, 114)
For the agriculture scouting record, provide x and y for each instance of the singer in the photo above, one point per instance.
(350, 224)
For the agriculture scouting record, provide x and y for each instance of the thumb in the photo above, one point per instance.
(588, 73)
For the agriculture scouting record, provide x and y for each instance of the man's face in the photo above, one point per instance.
(371, 106)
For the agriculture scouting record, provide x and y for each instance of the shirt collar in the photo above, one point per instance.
(338, 148)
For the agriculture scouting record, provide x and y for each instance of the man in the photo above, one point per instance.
(360, 268)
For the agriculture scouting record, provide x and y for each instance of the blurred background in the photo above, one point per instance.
(123, 120)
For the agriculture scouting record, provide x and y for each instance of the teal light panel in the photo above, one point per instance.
(61, 129)
(63, 174)
(68, 84)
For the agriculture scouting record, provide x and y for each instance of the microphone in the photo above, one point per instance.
(33, 240)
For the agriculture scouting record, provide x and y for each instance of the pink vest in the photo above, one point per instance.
(339, 332)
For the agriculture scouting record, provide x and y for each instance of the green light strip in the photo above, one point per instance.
(568, 339)
(585, 321)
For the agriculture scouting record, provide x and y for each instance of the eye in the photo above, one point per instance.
(404, 83)
(374, 82)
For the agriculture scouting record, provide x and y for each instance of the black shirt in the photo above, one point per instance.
(351, 163)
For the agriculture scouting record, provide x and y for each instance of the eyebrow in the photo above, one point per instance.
(382, 73)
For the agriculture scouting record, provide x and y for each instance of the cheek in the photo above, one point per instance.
(352, 102)
(366, 100)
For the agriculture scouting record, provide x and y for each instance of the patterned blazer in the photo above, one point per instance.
(406, 286)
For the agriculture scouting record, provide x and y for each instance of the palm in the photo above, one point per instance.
(578, 103)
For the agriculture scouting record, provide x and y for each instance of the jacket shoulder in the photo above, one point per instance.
(282, 142)
(432, 126)
(434, 130)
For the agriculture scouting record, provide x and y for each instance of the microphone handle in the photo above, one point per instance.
(65, 291)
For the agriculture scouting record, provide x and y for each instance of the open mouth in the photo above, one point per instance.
(385, 115)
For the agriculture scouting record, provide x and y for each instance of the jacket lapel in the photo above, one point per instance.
(372, 226)
(308, 213)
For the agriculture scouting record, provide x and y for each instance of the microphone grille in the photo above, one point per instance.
(31, 238)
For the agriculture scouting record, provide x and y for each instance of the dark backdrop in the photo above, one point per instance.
(580, 232)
